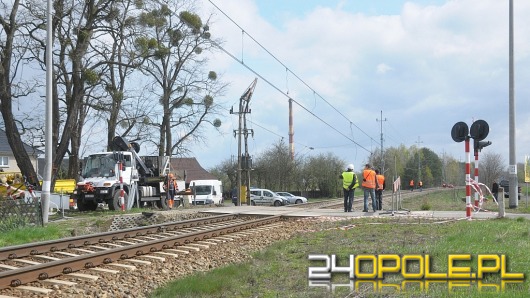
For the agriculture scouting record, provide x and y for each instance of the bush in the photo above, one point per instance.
(425, 205)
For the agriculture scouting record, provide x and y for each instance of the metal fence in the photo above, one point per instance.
(20, 213)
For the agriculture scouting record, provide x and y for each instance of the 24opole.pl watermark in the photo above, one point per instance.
(414, 270)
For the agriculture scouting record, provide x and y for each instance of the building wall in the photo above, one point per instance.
(12, 163)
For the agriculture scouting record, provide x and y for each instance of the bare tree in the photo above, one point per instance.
(173, 46)
(491, 168)
(275, 170)
(13, 48)
(226, 171)
(123, 107)
(75, 80)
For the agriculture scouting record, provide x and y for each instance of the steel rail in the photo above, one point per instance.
(25, 250)
(358, 200)
(24, 275)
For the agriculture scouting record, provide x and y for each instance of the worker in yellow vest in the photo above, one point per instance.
(369, 185)
(349, 184)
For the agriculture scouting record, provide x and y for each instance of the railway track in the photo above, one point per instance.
(55, 261)
(358, 201)
(64, 263)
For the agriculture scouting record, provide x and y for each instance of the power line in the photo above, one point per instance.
(274, 86)
(243, 31)
(287, 96)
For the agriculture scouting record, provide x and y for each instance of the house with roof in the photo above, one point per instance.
(188, 169)
(7, 158)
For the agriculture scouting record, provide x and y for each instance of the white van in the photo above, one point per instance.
(205, 192)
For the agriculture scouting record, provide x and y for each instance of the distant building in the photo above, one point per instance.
(7, 158)
(188, 168)
(184, 168)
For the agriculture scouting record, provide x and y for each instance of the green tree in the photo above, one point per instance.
(431, 168)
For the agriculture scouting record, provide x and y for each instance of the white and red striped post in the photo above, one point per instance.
(468, 182)
(476, 176)
(13, 193)
(9, 191)
(122, 192)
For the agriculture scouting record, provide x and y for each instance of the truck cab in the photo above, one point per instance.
(121, 179)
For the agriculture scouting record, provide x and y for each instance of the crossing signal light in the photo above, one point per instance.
(481, 144)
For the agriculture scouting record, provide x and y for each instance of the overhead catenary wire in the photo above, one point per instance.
(286, 95)
(277, 88)
(289, 70)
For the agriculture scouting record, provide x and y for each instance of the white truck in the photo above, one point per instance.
(122, 179)
(205, 192)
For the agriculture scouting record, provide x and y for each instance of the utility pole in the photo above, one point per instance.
(247, 160)
(291, 129)
(382, 157)
(512, 168)
(419, 159)
(243, 161)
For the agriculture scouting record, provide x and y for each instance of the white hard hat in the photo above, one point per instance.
(350, 167)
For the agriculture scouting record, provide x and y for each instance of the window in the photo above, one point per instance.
(4, 161)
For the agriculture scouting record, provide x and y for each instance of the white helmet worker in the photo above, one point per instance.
(350, 167)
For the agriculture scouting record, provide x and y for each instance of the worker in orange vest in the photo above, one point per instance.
(411, 184)
(171, 188)
(369, 185)
(420, 185)
(379, 191)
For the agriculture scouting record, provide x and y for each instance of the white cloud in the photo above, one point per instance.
(434, 65)
(382, 68)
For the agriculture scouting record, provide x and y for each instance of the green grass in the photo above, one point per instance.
(281, 270)
(207, 283)
(33, 234)
(454, 200)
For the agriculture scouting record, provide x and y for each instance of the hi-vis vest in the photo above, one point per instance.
(380, 181)
(348, 178)
(369, 179)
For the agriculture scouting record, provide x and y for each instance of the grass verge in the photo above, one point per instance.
(282, 269)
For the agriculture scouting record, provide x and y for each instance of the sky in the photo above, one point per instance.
(358, 70)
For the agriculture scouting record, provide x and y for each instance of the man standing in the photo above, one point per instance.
(379, 191)
(171, 188)
(369, 185)
(495, 190)
(411, 184)
(349, 183)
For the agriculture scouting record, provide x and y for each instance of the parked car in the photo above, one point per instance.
(506, 185)
(261, 196)
(292, 198)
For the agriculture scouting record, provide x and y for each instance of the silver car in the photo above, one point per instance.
(260, 196)
(292, 198)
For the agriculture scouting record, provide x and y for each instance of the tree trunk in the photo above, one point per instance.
(6, 98)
